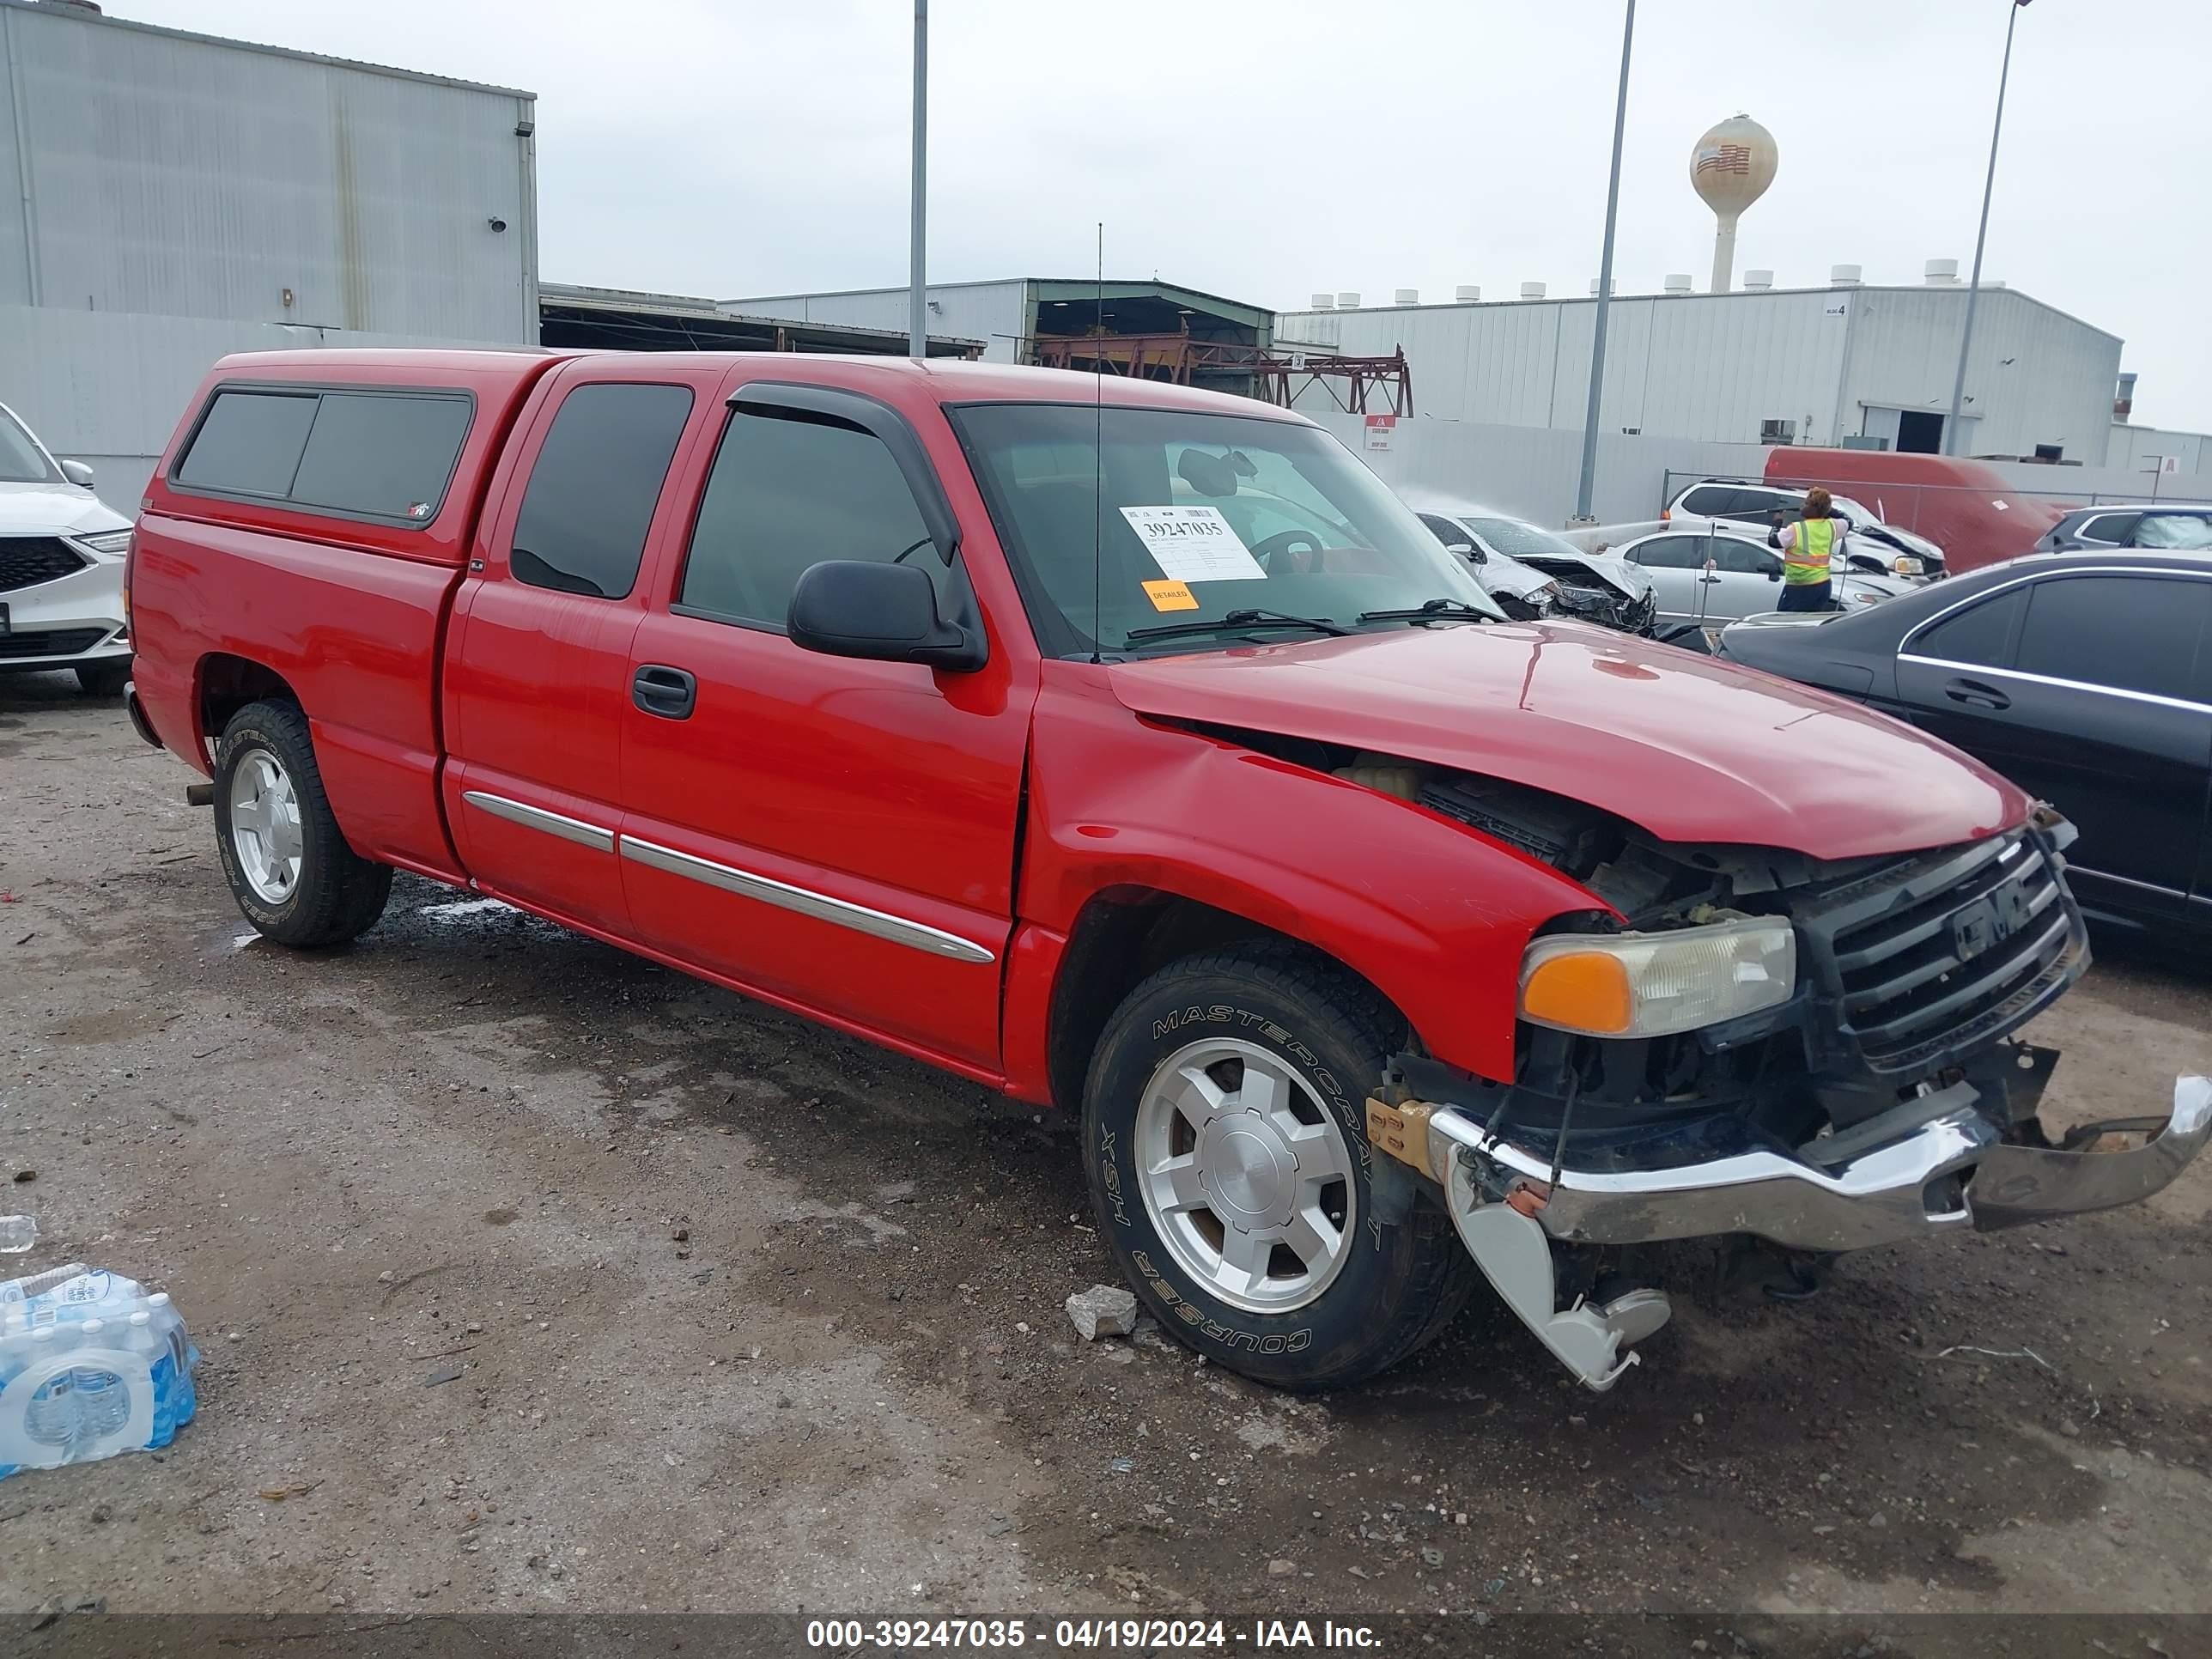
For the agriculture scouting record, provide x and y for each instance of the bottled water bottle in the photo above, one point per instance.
(103, 1398)
(52, 1418)
(17, 1234)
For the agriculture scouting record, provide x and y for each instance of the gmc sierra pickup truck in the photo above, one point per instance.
(1131, 749)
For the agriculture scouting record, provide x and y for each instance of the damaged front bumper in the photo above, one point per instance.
(1949, 1168)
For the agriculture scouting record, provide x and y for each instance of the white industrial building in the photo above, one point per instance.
(1846, 363)
(174, 196)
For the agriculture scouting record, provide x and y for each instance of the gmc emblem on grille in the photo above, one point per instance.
(1989, 921)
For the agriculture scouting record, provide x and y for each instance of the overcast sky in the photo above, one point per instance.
(1266, 150)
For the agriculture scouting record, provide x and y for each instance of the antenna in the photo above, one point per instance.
(1098, 457)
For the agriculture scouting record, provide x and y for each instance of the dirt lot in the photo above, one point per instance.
(530, 1276)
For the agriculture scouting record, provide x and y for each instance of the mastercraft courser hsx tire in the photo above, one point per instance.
(287, 863)
(1224, 1127)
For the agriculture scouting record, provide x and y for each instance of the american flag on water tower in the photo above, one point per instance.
(1725, 158)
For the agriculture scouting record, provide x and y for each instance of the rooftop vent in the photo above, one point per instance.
(1407, 296)
(1324, 302)
(1678, 281)
(1348, 300)
(1758, 279)
(1612, 287)
(1940, 273)
(1466, 294)
(1532, 290)
(1843, 275)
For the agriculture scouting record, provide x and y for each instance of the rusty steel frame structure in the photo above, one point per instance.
(1277, 376)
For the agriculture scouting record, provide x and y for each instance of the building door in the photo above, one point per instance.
(1919, 432)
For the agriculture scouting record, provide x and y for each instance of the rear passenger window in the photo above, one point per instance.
(1980, 635)
(358, 454)
(1708, 500)
(790, 490)
(380, 456)
(593, 487)
(2131, 632)
(2113, 529)
(1742, 559)
(249, 442)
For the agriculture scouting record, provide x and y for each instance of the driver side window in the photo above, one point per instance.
(788, 491)
(1672, 553)
(1742, 559)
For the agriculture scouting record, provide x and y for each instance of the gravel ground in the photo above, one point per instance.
(528, 1275)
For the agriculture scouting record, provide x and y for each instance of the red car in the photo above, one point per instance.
(1131, 749)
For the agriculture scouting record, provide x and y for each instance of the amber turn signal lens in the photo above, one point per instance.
(1587, 991)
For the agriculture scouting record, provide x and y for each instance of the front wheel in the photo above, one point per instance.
(287, 862)
(1225, 1141)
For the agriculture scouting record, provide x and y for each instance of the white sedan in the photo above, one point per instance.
(61, 567)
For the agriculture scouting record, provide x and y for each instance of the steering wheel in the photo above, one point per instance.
(1282, 541)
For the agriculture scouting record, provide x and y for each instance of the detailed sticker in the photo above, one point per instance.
(1170, 596)
(1193, 543)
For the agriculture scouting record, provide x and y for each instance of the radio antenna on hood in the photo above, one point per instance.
(1098, 457)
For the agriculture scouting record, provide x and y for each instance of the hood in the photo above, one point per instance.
(1690, 749)
(1499, 575)
(54, 509)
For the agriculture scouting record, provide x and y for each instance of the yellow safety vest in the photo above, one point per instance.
(1807, 562)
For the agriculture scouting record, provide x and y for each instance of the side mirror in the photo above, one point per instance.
(879, 613)
(78, 473)
(1467, 551)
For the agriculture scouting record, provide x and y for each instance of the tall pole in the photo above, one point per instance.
(1605, 280)
(917, 302)
(1974, 282)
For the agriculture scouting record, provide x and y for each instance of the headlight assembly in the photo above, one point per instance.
(1640, 985)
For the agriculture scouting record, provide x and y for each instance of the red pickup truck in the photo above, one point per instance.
(1132, 749)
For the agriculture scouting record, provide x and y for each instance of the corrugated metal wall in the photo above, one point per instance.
(2136, 449)
(1713, 367)
(2033, 376)
(997, 314)
(172, 175)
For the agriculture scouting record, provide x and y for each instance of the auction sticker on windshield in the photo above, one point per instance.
(1193, 544)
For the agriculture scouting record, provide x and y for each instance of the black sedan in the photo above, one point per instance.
(2085, 678)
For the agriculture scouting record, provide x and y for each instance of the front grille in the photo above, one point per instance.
(55, 643)
(1942, 950)
(27, 561)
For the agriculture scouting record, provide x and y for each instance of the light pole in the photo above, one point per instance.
(917, 340)
(1974, 282)
(1604, 281)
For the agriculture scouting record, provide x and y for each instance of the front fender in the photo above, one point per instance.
(1434, 915)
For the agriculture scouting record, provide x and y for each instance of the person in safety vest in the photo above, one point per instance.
(1807, 549)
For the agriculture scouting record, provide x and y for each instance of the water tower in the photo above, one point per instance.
(1731, 168)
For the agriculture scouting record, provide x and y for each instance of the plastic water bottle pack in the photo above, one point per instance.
(91, 1364)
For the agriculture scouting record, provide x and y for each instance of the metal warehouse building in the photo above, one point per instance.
(174, 196)
(1844, 364)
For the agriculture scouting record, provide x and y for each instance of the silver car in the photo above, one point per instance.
(1707, 575)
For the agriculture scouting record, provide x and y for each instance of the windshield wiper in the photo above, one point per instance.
(1430, 610)
(1236, 619)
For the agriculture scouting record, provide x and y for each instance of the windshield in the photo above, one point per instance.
(21, 461)
(1516, 540)
(1189, 518)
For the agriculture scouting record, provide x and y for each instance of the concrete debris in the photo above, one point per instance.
(1104, 1310)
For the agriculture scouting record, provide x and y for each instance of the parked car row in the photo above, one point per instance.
(1878, 549)
(61, 567)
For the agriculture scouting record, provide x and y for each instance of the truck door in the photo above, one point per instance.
(537, 666)
(832, 835)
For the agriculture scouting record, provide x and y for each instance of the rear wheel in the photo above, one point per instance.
(287, 862)
(103, 680)
(1225, 1140)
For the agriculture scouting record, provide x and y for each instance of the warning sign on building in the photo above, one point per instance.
(1379, 429)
